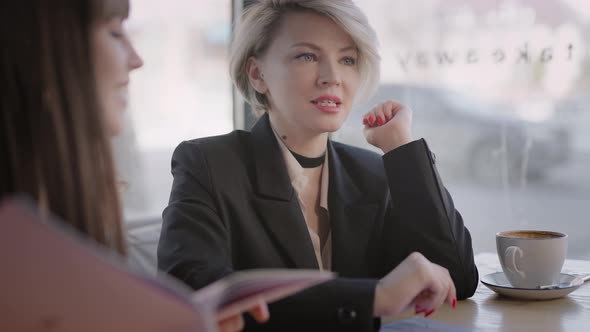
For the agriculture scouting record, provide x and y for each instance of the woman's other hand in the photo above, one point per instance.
(415, 282)
(236, 323)
(388, 125)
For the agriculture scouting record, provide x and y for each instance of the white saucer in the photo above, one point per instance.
(498, 283)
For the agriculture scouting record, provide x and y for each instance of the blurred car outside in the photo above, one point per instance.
(575, 110)
(483, 142)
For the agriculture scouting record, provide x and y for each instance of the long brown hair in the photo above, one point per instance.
(54, 145)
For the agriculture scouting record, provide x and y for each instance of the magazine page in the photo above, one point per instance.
(53, 279)
(422, 325)
(242, 290)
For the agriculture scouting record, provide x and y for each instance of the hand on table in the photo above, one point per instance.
(415, 282)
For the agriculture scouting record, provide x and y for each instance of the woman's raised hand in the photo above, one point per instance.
(415, 282)
(388, 125)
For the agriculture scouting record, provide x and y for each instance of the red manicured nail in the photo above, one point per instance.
(454, 305)
(371, 120)
(379, 121)
(365, 122)
(428, 313)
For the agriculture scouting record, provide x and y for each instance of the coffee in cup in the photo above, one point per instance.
(530, 258)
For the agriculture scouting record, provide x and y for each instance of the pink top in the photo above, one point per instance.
(311, 186)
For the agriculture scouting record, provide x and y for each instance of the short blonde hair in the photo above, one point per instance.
(254, 34)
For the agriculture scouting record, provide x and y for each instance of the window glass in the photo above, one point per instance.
(182, 92)
(500, 91)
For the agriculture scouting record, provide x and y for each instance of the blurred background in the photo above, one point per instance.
(500, 90)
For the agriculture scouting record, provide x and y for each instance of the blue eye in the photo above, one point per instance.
(307, 57)
(349, 61)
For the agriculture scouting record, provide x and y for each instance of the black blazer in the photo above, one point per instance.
(232, 207)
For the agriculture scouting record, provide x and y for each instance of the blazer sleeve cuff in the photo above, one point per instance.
(410, 168)
(342, 304)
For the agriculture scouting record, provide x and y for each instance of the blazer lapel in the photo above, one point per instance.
(351, 219)
(277, 201)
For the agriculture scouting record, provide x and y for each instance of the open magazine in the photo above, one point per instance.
(54, 279)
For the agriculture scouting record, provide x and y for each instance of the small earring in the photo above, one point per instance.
(261, 75)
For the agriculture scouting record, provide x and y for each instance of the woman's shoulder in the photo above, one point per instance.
(233, 140)
(224, 147)
(228, 140)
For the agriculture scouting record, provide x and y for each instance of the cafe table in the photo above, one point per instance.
(487, 311)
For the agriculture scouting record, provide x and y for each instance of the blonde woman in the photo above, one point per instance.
(284, 195)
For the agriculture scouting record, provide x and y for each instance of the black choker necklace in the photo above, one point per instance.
(307, 162)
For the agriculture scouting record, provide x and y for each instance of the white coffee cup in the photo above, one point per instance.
(531, 259)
